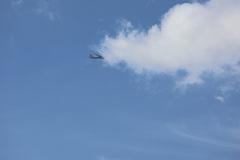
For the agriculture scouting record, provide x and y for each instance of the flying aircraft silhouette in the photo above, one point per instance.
(96, 56)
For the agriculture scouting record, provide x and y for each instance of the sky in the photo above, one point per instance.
(168, 87)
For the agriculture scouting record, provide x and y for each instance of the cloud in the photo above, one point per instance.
(105, 158)
(17, 2)
(221, 99)
(102, 158)
(207, 140)
(199, 38)
(47, 9)
(225, 143)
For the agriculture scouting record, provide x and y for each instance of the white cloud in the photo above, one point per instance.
(105, 158)
(17, 2)
(47, 9)
(102, 158)
(196, 37)
(229, 142)
(221, 99)
(207, 140)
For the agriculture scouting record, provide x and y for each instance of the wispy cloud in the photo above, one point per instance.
(149, 2)
(221, 99)
(196, 37)
(102, 158)
(17, 2)
(185, 133)
(47, 9)
(105, 158)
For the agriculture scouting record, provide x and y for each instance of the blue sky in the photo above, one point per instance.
(57, 104)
